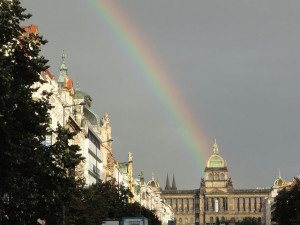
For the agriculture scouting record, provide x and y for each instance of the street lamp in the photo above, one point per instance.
(67, 106)
(109, 140)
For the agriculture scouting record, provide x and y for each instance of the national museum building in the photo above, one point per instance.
(215, 199)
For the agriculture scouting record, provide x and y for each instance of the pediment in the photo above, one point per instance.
(216, 191)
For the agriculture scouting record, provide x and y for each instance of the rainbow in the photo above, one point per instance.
(155, 76)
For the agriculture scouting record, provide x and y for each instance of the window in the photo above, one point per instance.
(48, 140)
(216, 205)
(93, 139)
(180, 220)
(216, 176)
(222, 177)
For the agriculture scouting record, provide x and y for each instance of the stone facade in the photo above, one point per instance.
(216, 198)
(150, 197)
(106, 148)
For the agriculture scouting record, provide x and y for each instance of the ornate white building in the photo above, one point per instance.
(279, 184)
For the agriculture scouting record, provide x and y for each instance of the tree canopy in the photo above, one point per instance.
(250, 221)
(104, 200)
(34, 177)
(286, 207)
(37, 180)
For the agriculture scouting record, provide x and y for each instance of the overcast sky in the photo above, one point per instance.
(235, 65)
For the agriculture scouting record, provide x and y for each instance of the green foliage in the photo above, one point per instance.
(38, 181)
(91, 205)
(150, 214)
(250, 221)
(286, 208)
(34, 178)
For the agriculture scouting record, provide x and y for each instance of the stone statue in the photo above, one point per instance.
(129, 157)
(202, 184)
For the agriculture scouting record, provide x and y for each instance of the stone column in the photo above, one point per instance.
(258, 205)
(221, 204)
(232, 204)
(240, 208)
(242, 204)
(247, 208)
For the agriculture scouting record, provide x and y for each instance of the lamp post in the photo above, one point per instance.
(109, 140)
(67, 106)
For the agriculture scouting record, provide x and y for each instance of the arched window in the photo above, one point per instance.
(216, 176)
(223, 219)
(222, 177)
(210, 176)
(180, 220)
(211, 219)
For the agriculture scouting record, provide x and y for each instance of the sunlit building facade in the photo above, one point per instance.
(216, 199)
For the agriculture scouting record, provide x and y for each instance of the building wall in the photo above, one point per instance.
(216, 198)
(182, 203)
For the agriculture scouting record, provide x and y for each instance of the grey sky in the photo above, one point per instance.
(236, 63)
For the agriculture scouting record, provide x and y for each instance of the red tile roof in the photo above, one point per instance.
(49, 74)
(30, 29)
(69, 84)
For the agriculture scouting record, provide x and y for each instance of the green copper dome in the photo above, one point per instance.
(215, 160)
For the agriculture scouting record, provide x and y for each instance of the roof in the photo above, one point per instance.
(215, 159)
(30, 29)
(49, 74)
(180, 191)
(69, 84)
(246, 191)
(91, 116)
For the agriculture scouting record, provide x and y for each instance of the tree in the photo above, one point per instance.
(286, 207)
(34, 178)
(250, 221)
(101, 201)
(95, 203)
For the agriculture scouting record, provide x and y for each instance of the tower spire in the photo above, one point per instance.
(174, 184)
(216, 150)
(167, 187)
(63, 65)
(63, 71)
(279, 174)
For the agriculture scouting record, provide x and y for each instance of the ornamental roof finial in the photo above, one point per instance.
(216, 150)
(63, 71)
(63, 65)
